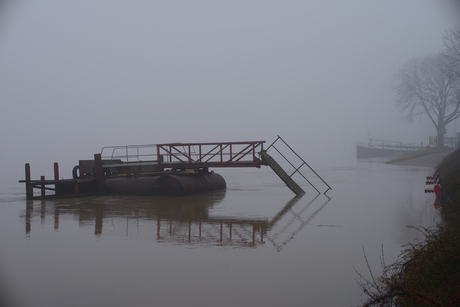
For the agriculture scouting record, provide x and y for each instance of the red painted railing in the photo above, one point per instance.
(202, 155)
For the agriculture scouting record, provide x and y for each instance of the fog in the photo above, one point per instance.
(79, 75)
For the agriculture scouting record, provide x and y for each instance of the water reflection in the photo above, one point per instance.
(294, 221)
(182, 220)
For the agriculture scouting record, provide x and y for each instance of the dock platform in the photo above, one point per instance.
(159, 169)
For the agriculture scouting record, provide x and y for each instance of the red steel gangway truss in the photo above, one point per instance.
(205, 155)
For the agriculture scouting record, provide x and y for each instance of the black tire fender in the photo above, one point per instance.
(76, 171)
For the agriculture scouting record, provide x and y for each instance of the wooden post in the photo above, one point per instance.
(99, 174)
(42, 187)
(56, 171)
(29, 188)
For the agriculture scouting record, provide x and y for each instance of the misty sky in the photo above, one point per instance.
(79, 75)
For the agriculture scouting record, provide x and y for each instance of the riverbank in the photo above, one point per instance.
(427, 272)
(428, 158)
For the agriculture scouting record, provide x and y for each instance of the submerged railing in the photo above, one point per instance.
(296, 169)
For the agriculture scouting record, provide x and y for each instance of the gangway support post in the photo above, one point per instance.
(99, 174)
(290, 183)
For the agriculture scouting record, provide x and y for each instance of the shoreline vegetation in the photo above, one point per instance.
(427, 272)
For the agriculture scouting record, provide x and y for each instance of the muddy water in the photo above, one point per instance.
(251, 245)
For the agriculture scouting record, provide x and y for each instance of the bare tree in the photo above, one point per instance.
(451, 40)
(427, 86)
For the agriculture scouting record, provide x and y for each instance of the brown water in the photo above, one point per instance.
(252, 245)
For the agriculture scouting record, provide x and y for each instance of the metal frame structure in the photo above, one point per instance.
(148, 160)
(297, 169)
(204, 155)
(125, 153)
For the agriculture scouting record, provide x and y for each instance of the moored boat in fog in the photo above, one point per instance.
(383, 148)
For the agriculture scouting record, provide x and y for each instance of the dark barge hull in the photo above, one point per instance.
(166, 184)
(363, 152)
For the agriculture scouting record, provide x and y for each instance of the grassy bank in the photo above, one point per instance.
(416, 154)
(427, 272)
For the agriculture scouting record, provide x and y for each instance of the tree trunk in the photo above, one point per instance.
(440, 138)
(441, 130)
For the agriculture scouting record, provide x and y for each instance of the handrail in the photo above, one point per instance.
(297, 169)
(189, 155)
(127, 152)
(219, 154)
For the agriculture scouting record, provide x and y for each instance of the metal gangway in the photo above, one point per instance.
(187, 155)
(288, 179)
(202, 156)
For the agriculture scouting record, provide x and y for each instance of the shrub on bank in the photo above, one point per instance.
(449, 173)
(427, 272)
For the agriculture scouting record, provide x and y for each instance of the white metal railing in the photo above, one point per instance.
(130, 153)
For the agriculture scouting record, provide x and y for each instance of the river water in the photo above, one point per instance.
(251, 245)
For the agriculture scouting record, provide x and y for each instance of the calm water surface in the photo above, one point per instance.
(252, 245)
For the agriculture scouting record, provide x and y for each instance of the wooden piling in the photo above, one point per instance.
(56, 171)
(42, 187)
(29, 188)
